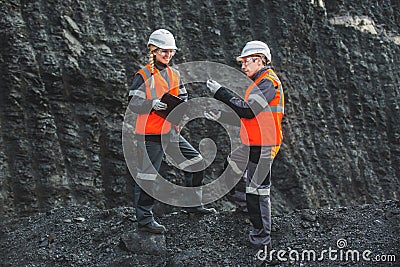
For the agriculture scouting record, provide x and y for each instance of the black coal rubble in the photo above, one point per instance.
(110, 237)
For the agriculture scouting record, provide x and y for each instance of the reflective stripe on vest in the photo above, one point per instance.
(156, 86)
(265, 129)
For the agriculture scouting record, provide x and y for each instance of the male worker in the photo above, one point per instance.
(260, 112)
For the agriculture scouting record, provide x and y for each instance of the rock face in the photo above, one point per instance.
(66, 66)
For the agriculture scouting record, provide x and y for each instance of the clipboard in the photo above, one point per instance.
(172, 102)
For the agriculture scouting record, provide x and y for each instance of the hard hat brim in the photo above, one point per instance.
(239, 58)
(163, 46)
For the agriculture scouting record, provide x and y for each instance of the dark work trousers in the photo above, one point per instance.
(192, 163)
(254, 164)
(238, 193)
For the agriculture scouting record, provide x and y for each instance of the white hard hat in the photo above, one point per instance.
(255, 47)
(163, 39)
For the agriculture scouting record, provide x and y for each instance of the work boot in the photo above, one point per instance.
(201, 210)
(152, 227)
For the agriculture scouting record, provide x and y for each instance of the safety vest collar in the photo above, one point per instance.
(260, 72)
(269, 74)
(256, 82)
(150, 80)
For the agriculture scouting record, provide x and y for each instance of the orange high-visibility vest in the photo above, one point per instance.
(152, 123)
(265, 129)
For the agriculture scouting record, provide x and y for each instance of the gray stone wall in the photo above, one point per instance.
(66, 66)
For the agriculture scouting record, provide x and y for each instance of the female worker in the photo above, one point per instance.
(149, 85)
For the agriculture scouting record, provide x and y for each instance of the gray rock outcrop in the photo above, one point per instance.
(66, 66)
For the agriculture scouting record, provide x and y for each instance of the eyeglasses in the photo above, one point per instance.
(248, 60)
(164, 52)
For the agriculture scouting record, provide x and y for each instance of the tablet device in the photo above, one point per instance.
(172, 102)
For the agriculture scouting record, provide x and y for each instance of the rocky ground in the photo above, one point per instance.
(85, 236)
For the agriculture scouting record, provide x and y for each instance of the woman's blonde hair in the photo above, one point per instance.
(151, 57)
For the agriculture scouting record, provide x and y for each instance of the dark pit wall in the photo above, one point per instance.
(66, 67)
